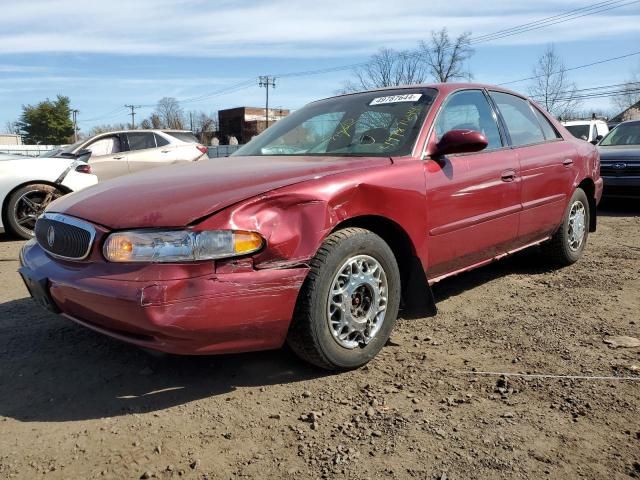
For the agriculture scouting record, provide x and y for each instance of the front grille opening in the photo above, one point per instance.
(63, 238)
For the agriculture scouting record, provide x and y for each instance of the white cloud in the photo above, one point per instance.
(279, 28)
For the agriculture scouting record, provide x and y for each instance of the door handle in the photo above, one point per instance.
(165, 151)
(119, 157)
(508, 176)
(567, 162)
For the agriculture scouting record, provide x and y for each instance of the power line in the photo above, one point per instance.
(573, 68)
(613, 89)
(570, 15)
(544, 20)
(592, 9)
(110, 114)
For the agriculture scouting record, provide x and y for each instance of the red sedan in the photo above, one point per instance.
(319, 229)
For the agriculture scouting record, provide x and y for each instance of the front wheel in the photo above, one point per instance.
(568, 243)
(349, 302)
(25, 205)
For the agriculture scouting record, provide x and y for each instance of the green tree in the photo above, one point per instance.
(48, 122)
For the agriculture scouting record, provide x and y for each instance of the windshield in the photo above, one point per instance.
(579, 131)
(366, 124)
(623, 134)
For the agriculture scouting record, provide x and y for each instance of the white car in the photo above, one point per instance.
(589, 130)
(28, 185)
(118, 153)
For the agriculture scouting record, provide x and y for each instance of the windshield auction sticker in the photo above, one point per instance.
(409, 97)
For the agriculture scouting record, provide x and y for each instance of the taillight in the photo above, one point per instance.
(84, 168)
(202, 148)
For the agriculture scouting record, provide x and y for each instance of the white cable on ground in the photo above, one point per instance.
(540, 375)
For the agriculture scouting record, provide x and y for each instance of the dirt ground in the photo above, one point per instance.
(74, 404)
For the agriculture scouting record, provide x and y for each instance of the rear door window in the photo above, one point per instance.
(521, 122)
(141, 140)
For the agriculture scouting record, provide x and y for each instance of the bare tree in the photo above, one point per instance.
(12, 127)
(446, 58)
(630, 92)
(204, 126)
(170, 113)
(387, 68)
(551, 86)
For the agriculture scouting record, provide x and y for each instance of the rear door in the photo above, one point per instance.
(473, 200)
(546, 164)
(144, 152)
(108, 157)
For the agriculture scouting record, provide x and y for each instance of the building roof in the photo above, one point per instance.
(621, 115)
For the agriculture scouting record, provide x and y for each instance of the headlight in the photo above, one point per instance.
(179, 245)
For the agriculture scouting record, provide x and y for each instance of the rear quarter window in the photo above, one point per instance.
(550, 132)
(183, 136)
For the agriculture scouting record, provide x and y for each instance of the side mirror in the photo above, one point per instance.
(460, 141)
(597, 139)
(85, 152)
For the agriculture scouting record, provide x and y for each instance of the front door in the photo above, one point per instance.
(473, 200)
(108, 158)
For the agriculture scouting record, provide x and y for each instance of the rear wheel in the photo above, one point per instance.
(568, 243)
(349, 302)
(25, 205)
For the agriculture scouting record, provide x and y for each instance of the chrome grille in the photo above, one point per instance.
(64, 237)
(620, 168)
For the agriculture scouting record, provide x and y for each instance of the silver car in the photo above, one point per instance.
(118, 153)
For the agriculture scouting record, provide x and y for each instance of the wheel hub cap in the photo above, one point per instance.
(357, 301)
(577, 225)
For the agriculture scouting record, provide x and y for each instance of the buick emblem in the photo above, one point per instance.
(51, 236)
(619, 166)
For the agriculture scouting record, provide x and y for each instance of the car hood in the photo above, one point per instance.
(179, 195)
(626, 153)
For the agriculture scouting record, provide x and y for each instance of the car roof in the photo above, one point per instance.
(582, 122)
(156, 130)
(444, 88)
(629, 122)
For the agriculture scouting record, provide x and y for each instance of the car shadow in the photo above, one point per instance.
(5, 237)
(526, 262)
(55, 370)
(619, 207)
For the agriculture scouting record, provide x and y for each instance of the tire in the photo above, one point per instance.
(568, 243)
(337, 324)
(25, 205)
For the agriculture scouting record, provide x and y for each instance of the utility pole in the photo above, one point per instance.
(133, 115)
(266, 81)
(191, 121)
(75, 124)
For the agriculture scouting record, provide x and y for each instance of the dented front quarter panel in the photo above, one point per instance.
(295, 220)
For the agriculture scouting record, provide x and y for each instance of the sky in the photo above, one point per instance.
(209, 54)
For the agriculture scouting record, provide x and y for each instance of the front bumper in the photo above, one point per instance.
(621, 186)
(188, 314)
